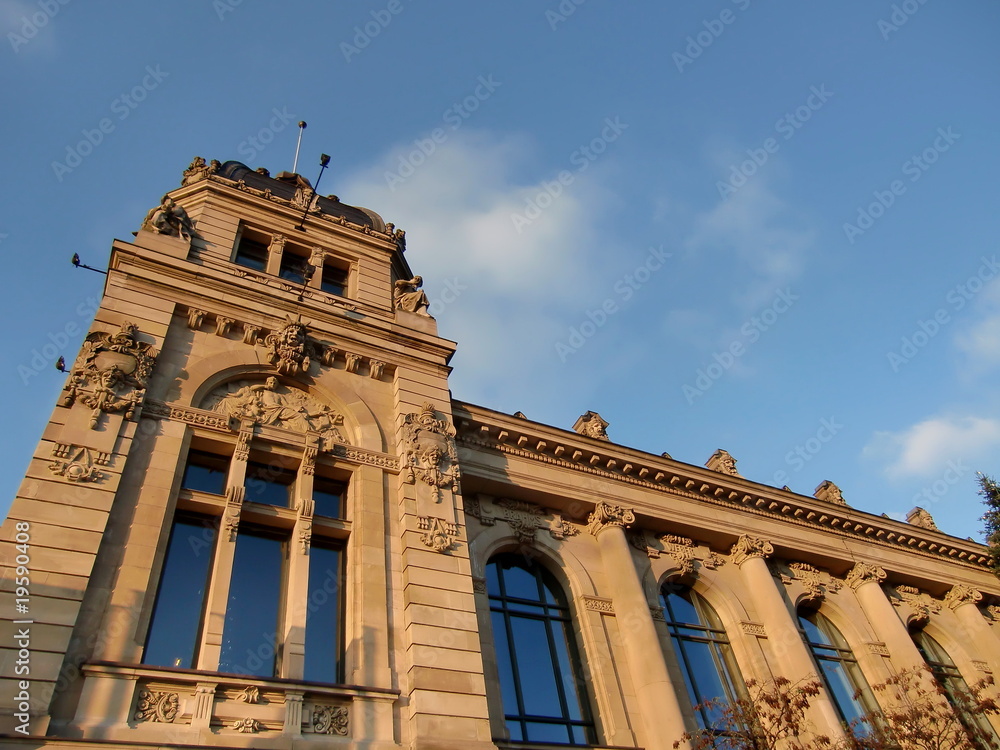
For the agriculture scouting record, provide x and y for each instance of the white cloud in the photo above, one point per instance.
(925, 449)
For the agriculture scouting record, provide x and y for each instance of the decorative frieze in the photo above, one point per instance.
(877, 648)
(196, 417)
(982, 666)
(249, 694)
(863, 573)
(755, 629)
(247, 726)
(439, 535)
(748, 547)
(598, 604)
(608, 515)
(330, 720)
(157, 706)
(921, 604)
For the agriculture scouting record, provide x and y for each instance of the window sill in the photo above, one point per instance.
(516, 745)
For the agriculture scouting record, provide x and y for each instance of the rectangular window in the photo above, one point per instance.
(328, 496)
(175, 627)
(251, 253)
(253, 613)
(294, 268)
(334, 279)
(324, 626)
(205, 472)
(268, 484)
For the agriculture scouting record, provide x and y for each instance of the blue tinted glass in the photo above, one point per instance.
(681, 610)
(504, 664)
(334, 280)
(534, 664)
(842, 689)
(813, 633)
(327, 496)
(250, 633)
(539, 732)
(268, 484)
(493, 579)
(520, 584)
(252, 254)
(514, 727)
(205, 472)
(322, 659)
(180, 598)
(562, 635)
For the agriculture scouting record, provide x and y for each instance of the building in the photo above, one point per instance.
(257, 518)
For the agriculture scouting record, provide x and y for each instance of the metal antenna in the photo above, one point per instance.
(324, 162)
(295, 164)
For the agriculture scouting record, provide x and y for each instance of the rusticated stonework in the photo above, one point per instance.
(749, 547)
(863, 573)
(607, 515)
(111, 373)
(157, 706)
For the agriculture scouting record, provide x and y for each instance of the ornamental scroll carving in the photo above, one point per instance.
(815, 582)
(749, 547)
(863, 573)
(607, 515)
(330, 720)
(688, 556)
(921, 604)
(524, 518)
(430, 453)
(959, 595)
(157, 706)
(111, 373)
(271, 403)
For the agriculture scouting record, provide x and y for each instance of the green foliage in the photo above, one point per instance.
(990, 492)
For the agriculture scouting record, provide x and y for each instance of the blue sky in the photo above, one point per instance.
(766, 227)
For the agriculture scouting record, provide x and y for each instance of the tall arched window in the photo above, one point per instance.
(702, 648)
(955, 688)
(540, 677)
(838, 667)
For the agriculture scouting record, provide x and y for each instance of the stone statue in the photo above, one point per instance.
(408, 296)
(199, 170)
(170, 219)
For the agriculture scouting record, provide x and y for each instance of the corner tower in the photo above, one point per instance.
(243, 522)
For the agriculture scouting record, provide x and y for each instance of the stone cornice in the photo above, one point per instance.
(480, 428)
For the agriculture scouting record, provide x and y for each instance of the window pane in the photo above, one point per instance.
(250, 634)
(504, 663)
(573, 691)
(837, 666)
(327, 495)
(538, 732)
(251, 254)
(268, 484)
(334, 280)
(293, 267)
(534, 664)
(205, 472)
(180, 598)
(323, 624)
(520, 583)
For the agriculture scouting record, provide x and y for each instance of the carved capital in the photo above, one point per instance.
(959, 595)
(606, 515)
(863, 573)
(749, 547)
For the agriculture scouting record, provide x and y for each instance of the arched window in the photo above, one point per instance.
(838, 667)
(955, 688)
(702, 648)
(543, 693)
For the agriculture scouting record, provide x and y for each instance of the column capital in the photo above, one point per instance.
(960, 594)
(863, 572)
(606, 515)
(749, 547)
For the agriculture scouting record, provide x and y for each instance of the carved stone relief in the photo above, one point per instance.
(688, 556)
(247, 726)
(817, 583)
(249, 694)
(599, 604)
(439, 535)
(78, 464)
(157, 706)
(111, 373)
(592, 425)
(606, 515)
(959, 595)
(723, 462)
(170, 219)
(430, 455)
(862, 573)
(290, 350)
(271, 403)
(524, 518)
(921, 604)
(920, 517)
(828, 492)
(749, 547)
(330, 720)
(198, 170)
